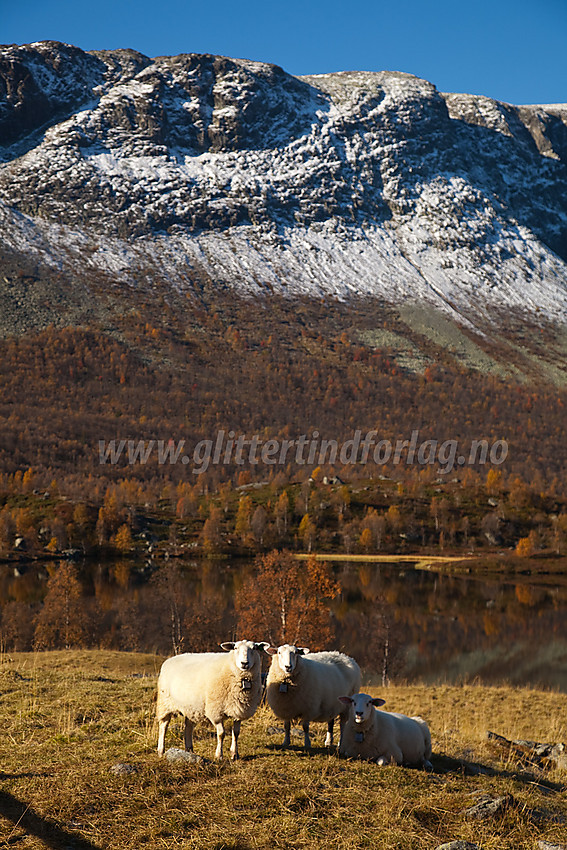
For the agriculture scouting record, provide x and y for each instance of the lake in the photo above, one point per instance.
(399, 622)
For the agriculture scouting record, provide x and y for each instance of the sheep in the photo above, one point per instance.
(306, 686)
(210, 685)
(383, 736)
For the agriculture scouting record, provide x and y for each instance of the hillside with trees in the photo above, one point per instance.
(279, 374)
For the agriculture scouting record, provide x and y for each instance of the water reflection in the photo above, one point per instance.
(448, 628)
(399, 622)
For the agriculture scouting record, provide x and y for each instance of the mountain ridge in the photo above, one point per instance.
(199, 170)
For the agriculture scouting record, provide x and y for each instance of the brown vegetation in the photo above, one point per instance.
(277, 370)
(69, 718)
(288, 601)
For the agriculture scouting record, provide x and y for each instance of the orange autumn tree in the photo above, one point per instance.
(285, 600)
(62, 621)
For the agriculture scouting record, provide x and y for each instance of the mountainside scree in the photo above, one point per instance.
(202, 169)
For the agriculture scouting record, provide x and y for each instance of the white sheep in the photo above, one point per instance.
(383, 736)
(306, 686)
(212, 685)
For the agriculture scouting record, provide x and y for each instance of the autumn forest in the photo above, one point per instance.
(269, 369)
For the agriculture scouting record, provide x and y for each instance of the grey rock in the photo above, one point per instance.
(458, 845)
(472, 769)
(489, 807)
(550, 845)
(545, 754)
(122, 769)
(174, 754)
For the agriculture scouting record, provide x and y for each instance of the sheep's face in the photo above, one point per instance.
(288, 655)
(362, 706)
(245, 656)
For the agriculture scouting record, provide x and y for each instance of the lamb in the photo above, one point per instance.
(383, 736)
(210, 685)
(306, 686)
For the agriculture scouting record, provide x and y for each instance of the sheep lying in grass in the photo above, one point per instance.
(306, 686)
(211, 685)
(383, 736)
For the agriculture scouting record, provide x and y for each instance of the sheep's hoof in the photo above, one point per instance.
(234, 756)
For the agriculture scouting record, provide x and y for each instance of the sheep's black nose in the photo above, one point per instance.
(244, 665)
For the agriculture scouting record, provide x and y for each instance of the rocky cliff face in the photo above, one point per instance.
(353, 184)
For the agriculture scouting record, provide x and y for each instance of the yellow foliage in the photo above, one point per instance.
(123, 539)
(524, 547)
(493, 480)
(366, 539)
(52, 545)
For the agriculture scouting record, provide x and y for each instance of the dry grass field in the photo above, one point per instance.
(68, 717)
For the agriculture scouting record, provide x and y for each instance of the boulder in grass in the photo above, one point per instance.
(542, 755)
(458, 845)
(122, 769)
(489, 807)
(174, 754)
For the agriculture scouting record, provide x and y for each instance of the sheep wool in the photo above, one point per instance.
(383, 736)
(213, 686)
(306, 686)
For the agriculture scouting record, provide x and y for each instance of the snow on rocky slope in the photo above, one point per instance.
(200, 167)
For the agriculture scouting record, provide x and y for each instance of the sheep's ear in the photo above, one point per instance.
(378, 702)
(346, 700)
(262, 646)
(271, 650)
(227, 646)
(302, 650)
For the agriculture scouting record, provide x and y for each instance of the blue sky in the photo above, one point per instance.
(513, 50)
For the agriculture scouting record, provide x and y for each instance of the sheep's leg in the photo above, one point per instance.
(393, 757)
(235, 733)
(287, 735)
(188, 735)
(220, 738)
(342, 723)
(306, 740)
(163, 724)
(329, 735)
(397, 756)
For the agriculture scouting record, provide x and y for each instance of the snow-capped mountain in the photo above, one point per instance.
(129, 170)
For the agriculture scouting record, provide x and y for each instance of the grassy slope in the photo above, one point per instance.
(67, 717)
